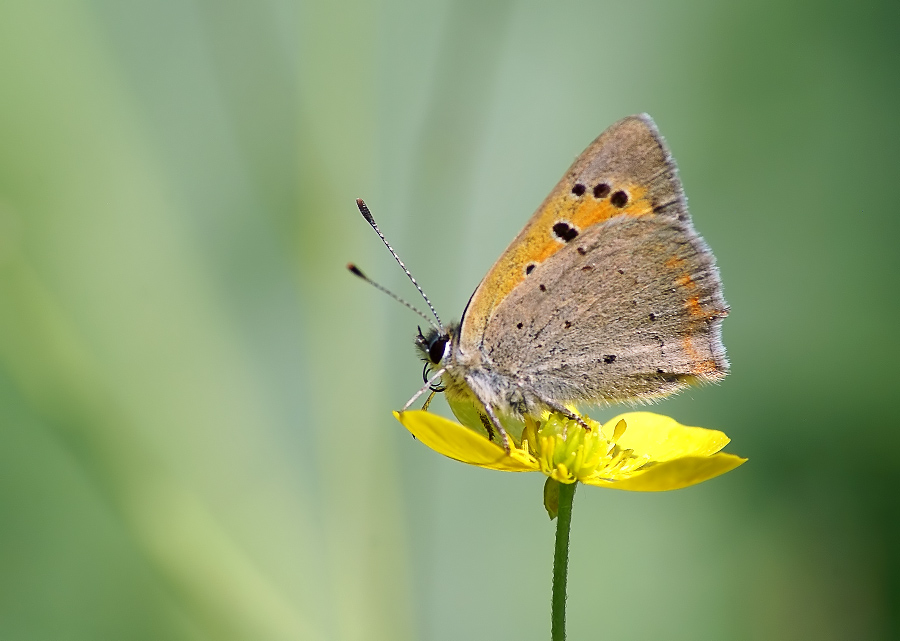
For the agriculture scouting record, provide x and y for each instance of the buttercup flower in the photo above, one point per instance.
(639, 451)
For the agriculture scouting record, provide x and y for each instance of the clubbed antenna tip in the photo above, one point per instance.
(364, 210)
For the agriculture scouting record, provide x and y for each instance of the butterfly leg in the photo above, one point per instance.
(424, 388)
(428, 401)
(565, 411)
(486, 424)
(504, 437)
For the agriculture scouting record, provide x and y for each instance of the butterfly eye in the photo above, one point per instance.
(438, 349)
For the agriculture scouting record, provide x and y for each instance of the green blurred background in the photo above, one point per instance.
(195, 429)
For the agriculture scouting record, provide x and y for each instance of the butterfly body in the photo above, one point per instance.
(607, 295)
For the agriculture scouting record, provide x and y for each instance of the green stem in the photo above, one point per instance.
(561, 562)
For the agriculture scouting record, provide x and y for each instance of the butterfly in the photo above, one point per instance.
(607, 295)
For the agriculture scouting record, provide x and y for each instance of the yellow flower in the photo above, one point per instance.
(638, 451)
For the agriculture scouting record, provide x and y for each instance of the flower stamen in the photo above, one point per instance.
(567, 452)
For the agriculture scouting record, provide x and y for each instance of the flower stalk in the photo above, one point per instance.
(561, 561)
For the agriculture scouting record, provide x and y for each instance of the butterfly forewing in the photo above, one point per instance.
(625, 171)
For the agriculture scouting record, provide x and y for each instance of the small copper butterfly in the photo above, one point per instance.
(607, 295)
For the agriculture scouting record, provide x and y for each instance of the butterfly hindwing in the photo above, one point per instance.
(632, 309)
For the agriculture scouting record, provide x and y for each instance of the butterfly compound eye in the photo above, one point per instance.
(438, 349)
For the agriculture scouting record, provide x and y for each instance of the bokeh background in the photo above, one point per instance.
(195, 429)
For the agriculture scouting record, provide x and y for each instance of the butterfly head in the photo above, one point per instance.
(435, 345)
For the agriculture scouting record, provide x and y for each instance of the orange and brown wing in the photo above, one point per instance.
(626, 171)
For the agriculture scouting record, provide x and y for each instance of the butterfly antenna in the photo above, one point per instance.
(364, 210)
(356, 271)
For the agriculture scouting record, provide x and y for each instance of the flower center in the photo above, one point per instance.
(567, 452)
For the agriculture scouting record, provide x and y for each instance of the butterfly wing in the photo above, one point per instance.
(625, 171)
(608, 293)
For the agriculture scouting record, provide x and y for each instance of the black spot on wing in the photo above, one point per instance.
(564, 231)
(619, 198)
(601, 190)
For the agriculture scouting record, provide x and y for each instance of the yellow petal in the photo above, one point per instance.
(663, 438)
(673, 474)
(460, 443)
